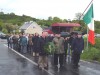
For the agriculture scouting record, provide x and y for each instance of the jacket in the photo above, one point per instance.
(42, 44)
(78, 45)
(59, 45)
(23, 40)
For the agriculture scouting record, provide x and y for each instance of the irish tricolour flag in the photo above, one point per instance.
(88, 19)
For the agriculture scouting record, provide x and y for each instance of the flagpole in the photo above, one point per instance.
(87, 27)
(87, 38)
(86, 8)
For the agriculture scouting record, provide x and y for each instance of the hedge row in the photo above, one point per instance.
(93, 52)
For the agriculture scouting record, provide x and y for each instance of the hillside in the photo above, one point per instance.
(11, 21)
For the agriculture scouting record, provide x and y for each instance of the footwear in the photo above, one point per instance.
(75, 66)
(46, 68)
(39, 67)
(56, 68)
(61, 66)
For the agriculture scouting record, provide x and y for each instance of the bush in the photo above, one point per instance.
(4, 30)
(91, 54)
(97, 45)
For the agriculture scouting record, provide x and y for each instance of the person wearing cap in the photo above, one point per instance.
(59, 50)
(77, 47)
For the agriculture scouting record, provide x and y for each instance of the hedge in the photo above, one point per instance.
(93, 52)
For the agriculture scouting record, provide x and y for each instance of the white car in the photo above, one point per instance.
(97, 35)
(2, 35)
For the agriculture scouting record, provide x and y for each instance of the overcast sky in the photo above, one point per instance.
(42, 9)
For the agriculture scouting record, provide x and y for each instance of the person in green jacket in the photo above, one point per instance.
(59, 50)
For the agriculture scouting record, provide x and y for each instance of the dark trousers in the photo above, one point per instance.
(65, 52)
(30, 48)
(76, 58)
(60, 57)
(19, 47)
(8, 44)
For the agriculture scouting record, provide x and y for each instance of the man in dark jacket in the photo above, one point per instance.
(35, 41)
(77, 47)
(43, 60)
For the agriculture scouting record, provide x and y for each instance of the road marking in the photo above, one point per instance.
(29, 60)
(89, 69)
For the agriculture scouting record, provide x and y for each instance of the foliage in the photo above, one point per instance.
(93, 52)
(10, 20)
(4, 30)
(49, 48)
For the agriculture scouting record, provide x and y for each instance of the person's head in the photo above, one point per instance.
(74, 35)
(44, 34)
(36, 34)
(79, 35)
(52, 35)
(58, 35)
(66, 38)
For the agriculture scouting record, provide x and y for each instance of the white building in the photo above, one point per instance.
(31, 28)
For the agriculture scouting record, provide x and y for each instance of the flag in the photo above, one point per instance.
(88, 19)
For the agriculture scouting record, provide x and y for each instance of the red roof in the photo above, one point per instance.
(66, 24)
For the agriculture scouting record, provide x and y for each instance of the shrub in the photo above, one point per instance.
(91, 54)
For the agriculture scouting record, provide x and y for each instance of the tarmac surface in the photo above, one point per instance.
(14, 63)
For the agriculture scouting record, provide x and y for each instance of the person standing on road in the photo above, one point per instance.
(72, 37)
(66, 41)
(23, 42)
(11, 41)
(77, 47)
(30, 44)
(35, 41)
(8, 40)
(15, 39)
(59, 50)
(43, 56)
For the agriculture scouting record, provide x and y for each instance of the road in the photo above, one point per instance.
(14, 63)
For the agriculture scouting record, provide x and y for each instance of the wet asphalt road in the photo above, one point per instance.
(12, 63)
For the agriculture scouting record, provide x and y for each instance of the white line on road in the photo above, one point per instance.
(89, 69)
(28, 59)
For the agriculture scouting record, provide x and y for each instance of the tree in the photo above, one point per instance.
(1, 25)
(12, 13)
(97, 26)
(4, 30)
(78, 16)
(1, 13)
(56, 19)
(9, 27)
(49, 18)
(65, 20)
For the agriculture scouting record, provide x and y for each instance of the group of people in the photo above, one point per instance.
(34, 44)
